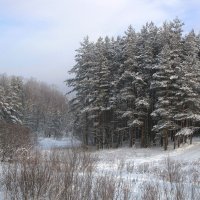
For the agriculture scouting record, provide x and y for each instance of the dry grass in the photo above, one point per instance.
(72, 175)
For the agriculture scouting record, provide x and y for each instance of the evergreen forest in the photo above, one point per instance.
(141, 88)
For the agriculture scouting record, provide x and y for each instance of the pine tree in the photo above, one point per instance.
(127, 96)
(163, 113)
(83, 71)
(167, 82)
(11, 99)
(148, 47)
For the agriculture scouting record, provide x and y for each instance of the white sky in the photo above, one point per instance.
(38, 38)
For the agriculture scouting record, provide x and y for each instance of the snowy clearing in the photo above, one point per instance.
(138, 155)
(150, 169)
(67, 142)
(115, 174)
(186, 152)
(155, 155)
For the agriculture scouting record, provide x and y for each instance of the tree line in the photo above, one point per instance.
(32, 104)
(142, 87)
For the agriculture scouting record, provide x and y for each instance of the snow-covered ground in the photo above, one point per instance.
(186, 152)
(140, 166)
(135, 168)
(115, 160)
(66, 142)
(110, 160)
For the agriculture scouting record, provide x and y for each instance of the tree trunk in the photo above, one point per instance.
(185, 139)
(161, 141)
(165, 139)
(190, 139)
(132, 139)
(103, 138)
(178, 141)
(142, 137)
(86, 131)
(174, 142)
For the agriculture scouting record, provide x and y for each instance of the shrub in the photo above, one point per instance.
(14, 140)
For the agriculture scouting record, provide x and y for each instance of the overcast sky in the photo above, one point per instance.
(38, 38)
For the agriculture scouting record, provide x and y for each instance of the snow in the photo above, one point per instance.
(136, 123)
(194, 117)
(92, 116)
(105, 108)
(67, 142)
(137, 166)
(158, 76)
(139, 78)
(180, 116)
(163, 125)
(140, 166)
(127, 114)
(143, 103)
(185, 131)
(157, 84)
(173, 77)
(187, 89)
(159, 112)
(109, 159)
(129, 96)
